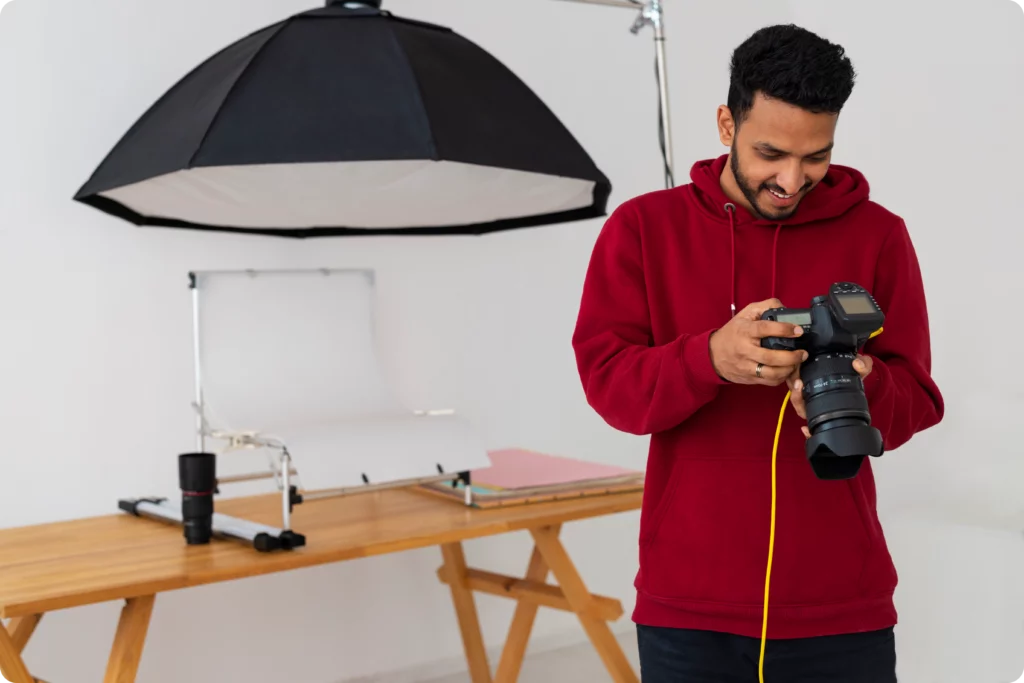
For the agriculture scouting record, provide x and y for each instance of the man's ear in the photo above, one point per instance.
(726, 126)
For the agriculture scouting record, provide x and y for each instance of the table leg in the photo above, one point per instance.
(22, 628)
(512, 655)
(126, 653)
(465, 610)
(582, 604)
(12, 666)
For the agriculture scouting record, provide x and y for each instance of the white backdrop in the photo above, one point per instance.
(95, 365)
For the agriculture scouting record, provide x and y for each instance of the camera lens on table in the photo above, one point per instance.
(197, 473)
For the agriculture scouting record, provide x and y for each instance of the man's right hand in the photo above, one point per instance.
(736, 348)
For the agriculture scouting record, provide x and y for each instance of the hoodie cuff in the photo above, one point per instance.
(695, 358)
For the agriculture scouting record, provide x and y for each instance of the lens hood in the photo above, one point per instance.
(837, 452)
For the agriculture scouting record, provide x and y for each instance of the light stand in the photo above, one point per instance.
(652, 14)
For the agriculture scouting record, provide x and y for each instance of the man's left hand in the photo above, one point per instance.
(862, 366)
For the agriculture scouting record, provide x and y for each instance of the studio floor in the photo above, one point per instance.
(575, 664)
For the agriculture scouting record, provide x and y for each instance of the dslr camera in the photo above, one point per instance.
(835, 328)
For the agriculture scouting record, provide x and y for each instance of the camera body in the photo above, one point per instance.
(835, 329)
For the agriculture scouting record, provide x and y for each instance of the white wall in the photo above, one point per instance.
(95, 354)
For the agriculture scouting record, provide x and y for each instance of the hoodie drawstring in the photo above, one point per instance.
(775, 252)
(730, 208)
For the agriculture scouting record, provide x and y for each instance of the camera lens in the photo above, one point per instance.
(837, 416)
(197, 474)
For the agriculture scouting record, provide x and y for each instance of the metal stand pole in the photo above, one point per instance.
(659, 38)
(260, 536)
(653, 14)
(286, 489)
(200, 418)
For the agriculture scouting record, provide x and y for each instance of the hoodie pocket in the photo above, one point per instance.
(711, 540)
(823, 536)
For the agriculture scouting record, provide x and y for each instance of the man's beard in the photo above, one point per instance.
(752, 194)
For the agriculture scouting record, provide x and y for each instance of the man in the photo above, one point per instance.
(668, 344)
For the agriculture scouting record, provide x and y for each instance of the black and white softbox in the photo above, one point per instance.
(348, 120)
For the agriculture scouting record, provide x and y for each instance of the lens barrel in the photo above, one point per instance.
(838, 416)
(197, 475)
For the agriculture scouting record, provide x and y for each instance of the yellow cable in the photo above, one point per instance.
(771, 538)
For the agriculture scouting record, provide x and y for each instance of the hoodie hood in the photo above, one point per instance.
(841, 189)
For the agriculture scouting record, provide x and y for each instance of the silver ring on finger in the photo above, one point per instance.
(760, 367)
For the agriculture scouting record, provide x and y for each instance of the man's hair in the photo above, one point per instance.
(790, 64)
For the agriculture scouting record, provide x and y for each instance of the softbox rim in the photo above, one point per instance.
(598, 209)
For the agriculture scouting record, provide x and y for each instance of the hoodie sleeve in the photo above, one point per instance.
(635, 386)
(902, 396)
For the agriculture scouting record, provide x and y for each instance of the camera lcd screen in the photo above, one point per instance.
(803, 318)
(856, 304)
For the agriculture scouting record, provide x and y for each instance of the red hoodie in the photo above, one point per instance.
(665, 272)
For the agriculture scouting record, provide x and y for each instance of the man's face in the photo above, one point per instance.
(778, 154)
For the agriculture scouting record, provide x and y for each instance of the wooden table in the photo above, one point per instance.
(118, 557)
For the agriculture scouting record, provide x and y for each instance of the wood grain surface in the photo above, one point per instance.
(113, 557)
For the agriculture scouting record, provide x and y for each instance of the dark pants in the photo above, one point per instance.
(683, 656)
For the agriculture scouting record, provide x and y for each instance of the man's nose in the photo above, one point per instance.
(790, 184)
(791, 179)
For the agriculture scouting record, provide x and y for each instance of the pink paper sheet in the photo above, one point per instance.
(516, 468)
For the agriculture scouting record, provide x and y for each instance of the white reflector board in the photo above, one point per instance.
(292, 355)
